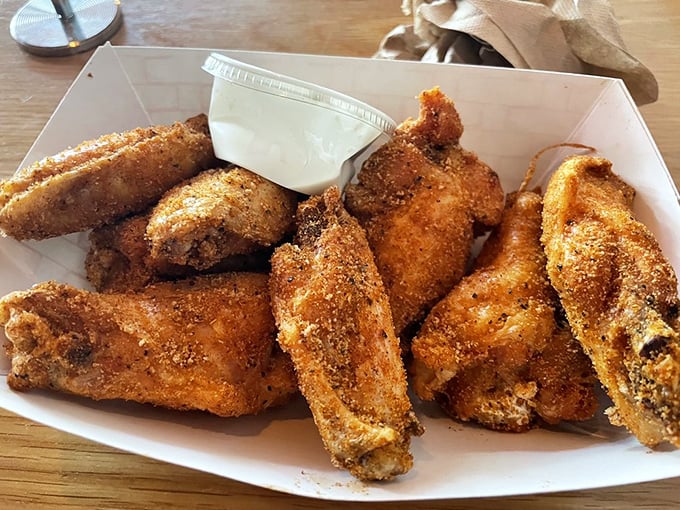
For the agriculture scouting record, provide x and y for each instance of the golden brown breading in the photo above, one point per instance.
(334, 320)
(102, 180)
(221, 212)
(492, 351)
(619, 292)
(422, 199)
(207, 343)
(119, 259)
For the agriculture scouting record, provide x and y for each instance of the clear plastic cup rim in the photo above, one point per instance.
(269, 82)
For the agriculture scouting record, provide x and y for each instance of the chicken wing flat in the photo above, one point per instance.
(206, 343)
(620, 295)
(334, 320)
(220, 212)
(102, 180)
(492, 350)
(119, 259)
(422, 199)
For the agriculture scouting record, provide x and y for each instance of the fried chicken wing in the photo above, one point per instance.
(619, 292)
(102, 180)
(422, 199)
(492, 351)
(221, 212)
(206, 343)
(119, 259)
(334, 320)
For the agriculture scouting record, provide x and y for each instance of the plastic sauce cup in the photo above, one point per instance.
(294, 133)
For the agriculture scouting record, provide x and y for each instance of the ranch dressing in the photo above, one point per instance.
(296, 134)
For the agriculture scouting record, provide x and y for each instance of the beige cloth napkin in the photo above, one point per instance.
(555, 35)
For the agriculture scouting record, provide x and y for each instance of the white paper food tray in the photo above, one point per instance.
(508, 115)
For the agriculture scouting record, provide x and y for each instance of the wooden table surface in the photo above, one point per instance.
(44, 468)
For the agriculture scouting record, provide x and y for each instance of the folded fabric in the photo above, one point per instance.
(554, 35)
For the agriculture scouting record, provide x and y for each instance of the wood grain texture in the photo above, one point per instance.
(44, 468)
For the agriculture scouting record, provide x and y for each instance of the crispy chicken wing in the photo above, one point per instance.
(492, 350)
(334, 320)
(206, 343)
(118, 258)
(221, 212)
(620, 295)
(422, 199)
(102, 180)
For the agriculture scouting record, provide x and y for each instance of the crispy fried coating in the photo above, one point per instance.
(492, 350)
(119, 259)
(422, 199)
(619, 292)
(334, 320)
(220, 212)
(102, 180)
(206, 343)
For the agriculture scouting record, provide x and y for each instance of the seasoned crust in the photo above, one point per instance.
(102, 180)
(493, 350)
(219, 213)
(334, 320)
(422, 199)
(619, 293)
(206, 343)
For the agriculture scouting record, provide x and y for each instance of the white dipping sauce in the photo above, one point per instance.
(296, 134)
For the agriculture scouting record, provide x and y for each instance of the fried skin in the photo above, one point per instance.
(492, 351)
(422, 199)
(620, 295)
(119, 259)
(206, 343)
(334, 320)
(221, 212)
(102, 180)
